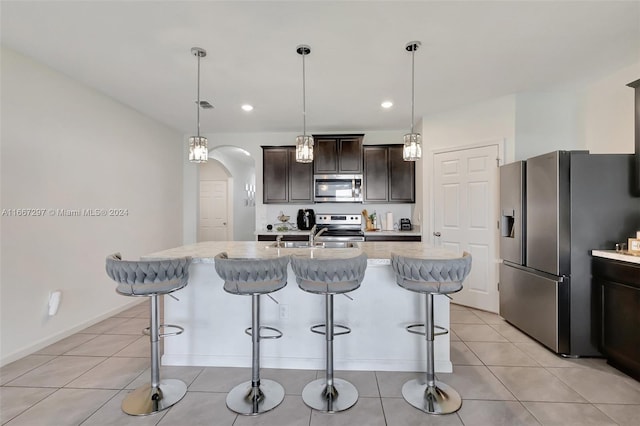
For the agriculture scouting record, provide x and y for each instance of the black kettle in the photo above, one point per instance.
(306, 219)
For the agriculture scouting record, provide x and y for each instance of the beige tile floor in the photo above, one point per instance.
(504, 377)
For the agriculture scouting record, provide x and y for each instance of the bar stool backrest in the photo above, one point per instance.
(438, 276)
(326, 276)
(149, 277)
(252, 276)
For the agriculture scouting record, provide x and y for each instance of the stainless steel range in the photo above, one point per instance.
(339, 227)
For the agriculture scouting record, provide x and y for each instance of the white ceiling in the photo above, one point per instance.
(138, 52)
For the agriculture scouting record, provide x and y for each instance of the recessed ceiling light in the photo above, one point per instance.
(247, 107)
(386, 104)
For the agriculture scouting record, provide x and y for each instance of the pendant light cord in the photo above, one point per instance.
(198, 98)
(413, 53)
(304, 98)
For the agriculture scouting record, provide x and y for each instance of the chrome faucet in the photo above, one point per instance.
(278, 240)
(311, 234)
(320, 232)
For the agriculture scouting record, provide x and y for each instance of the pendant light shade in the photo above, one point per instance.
(412, 141)
(304, 142)
(198, 149)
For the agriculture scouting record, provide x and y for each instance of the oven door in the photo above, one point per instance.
(337, 188)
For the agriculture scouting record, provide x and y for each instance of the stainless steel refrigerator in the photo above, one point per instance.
(555, 208)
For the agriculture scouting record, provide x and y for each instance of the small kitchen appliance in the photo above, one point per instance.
(306, 219)
(405, 224)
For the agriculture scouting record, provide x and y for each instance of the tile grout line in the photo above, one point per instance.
(384, 415)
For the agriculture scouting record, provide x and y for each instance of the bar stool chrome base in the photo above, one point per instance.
(317, 395)
(440, 399)
(242, 399)
(144, 400)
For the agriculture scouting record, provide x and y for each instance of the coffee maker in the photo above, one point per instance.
(306, 219)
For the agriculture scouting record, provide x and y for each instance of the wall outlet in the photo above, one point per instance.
(284, 311)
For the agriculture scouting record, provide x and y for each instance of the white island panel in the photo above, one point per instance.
(215, 321)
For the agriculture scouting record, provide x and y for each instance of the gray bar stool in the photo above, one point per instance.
(151, 279)
(329, 277)
(431, 276)
(254, 277)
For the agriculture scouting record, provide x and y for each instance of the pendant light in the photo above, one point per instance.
(412, 150)
(198, 150)
(304, 142)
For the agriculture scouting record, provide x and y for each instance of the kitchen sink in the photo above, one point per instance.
(323, 244)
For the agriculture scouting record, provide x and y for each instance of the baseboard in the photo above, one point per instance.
(43, 343)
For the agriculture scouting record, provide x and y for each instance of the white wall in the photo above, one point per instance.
(545, 122)
(608, 108)
(65, 146)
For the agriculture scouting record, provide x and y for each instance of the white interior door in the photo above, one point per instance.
(465, 184)
(213, 211)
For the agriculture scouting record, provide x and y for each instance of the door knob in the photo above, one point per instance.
(224, 223)
(437, 234)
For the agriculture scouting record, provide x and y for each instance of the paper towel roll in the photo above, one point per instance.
(389, 221)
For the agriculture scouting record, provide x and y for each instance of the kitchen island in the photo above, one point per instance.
(215, 321)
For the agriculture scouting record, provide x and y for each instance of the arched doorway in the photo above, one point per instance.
(238, 168)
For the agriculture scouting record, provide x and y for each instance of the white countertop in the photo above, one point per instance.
(205, 252)
(623, 256)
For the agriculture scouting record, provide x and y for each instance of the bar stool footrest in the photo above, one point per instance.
(180, 330)
(321, 329)
(277, 335)
(411, 329)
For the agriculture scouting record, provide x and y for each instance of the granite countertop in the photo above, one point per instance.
(624, 256)
(378, 252)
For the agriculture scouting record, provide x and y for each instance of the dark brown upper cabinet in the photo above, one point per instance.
(387, 177)
(337, 154)
(284, 179)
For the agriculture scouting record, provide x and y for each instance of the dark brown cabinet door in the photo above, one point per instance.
(401, 177)
(275, 174)
(387, 177)
(617, 311)
(337, 154)
(376, 174)
(325, 156)
(350, 155)
(284, 179)
(300, 180)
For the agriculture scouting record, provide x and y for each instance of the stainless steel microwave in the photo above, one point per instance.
(337, 188)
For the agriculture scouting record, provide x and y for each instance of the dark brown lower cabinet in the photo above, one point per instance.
(398, 238)
(617, 294)
(273, 236)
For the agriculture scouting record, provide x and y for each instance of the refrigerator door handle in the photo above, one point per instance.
(558, 278)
